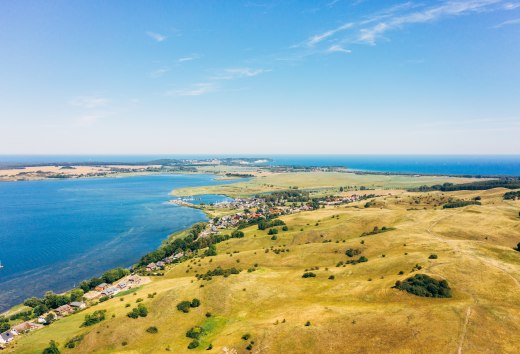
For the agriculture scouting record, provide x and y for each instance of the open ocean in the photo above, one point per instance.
(56, 233)
(489, 165)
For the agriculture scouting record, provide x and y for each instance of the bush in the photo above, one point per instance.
(285, 228)
(139, 311)
(184, 306)
(272, 232)
(517, 247)
(95, 317)
(432, 256)
(152, 330)
(332, 277)
(193, 344)
(274, 238)
(71, 343)
(351, 252)
(246, 336)
(423, 285)
(309, 275)
(51, 349)
(195, 332)
(195, 303)
(308, 323)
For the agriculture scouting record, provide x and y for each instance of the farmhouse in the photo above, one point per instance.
(101, 287)
(64, 310)
(78, 305)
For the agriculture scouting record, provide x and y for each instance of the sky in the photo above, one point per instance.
(253, 77)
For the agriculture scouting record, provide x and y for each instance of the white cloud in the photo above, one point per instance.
(446, 9)
(194, 90)
(156, 36)
(89, 102)
(236, 73)
(515, 21)
(313, 40)
(159, 72)
(189, 58)
(511, 5)
(338, 49)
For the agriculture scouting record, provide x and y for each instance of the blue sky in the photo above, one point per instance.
(231, 77)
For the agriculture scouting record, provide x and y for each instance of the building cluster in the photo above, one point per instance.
(160, 264)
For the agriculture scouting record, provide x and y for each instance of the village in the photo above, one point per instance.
(90, 298)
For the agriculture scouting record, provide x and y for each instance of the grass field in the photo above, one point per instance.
(356, 312)
(320, 181)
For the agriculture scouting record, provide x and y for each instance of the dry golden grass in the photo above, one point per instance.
(358, 311)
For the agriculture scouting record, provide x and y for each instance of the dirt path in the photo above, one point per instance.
(464, 330)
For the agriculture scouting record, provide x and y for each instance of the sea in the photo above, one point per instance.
(56, 233)
(476, 165)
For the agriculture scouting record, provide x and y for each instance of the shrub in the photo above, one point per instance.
(423, 285)
(152, 330)
(273, 231)
(195, 332)
(184, 306)
(332, 277)
(139, 311)
(274, 238)
(104, 298)
(309, 275)
(95, 317)
(246, 336)
(52, 348)
(285, 228)
(432, 256)
(71, 343)
(195, 303)
(351, 252)
(308, 323)
(517, 247)
(193, 344)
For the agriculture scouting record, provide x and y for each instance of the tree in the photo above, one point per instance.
(517, 247)
(49, 318)
(51, 349)
(211, 251)
(40, 310)
(76, 295)
(195, 303)
(273, 231)
(341, 189)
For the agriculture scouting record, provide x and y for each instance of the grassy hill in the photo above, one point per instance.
(343, 309)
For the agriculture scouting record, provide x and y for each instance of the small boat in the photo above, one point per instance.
(1, 266)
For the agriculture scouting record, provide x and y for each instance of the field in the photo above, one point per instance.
(324, 181)
(356, 312)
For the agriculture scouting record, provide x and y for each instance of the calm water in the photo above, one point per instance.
(56, 233)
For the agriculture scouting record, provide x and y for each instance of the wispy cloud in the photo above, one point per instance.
(371, 29)
(198, 89)
(236, 73)
(338, 49)
(89, 102)
(515, 21)
(446, 9)
(188, 58)
(313, 40)
(156, 36)
(159, 72)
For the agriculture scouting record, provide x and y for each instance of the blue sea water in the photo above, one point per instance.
(55, 233)
(488, 165)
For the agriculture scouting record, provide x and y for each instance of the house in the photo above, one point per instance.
(6, 337)
(64, 310)
(42, 320)
(101, 287)
(160, 264)
(109, 291)
(122, 285)
(150, 267)
(25, 327)
(78, 305)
